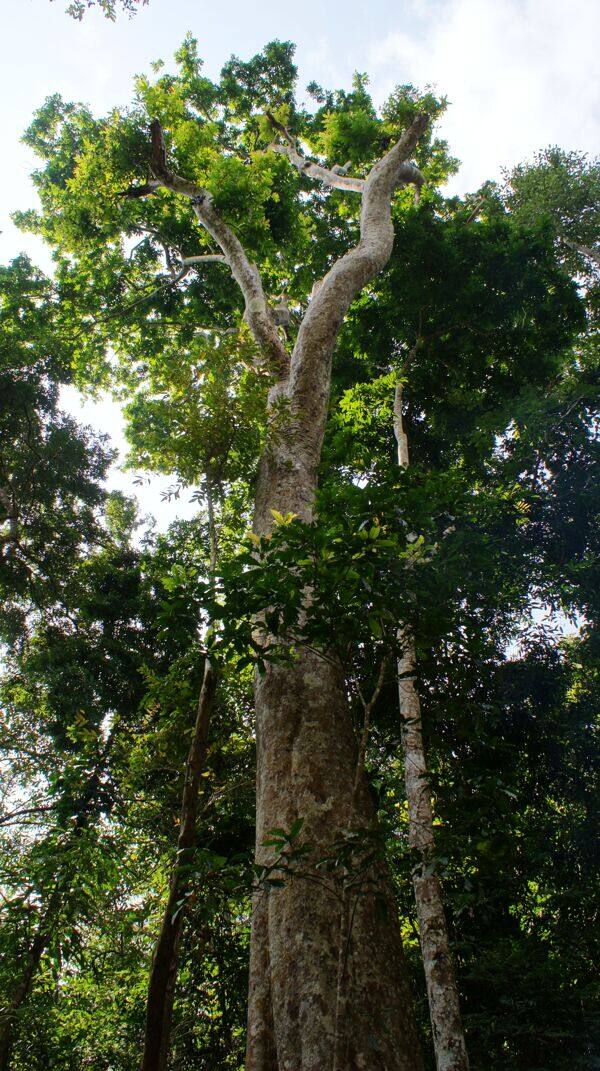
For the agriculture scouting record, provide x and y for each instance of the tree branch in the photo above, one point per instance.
(306, 167)
(204, 258)
(584, 250)
(246, 274)
(9, 819)
(335, 177)
(350, 274)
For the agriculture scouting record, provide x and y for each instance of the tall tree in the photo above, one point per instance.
(302, 708)
(442, 987)
(306, 700)
(236, 369)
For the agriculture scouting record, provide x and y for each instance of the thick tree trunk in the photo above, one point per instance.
(306, 749)
(306, 768)
(307, 942)
(442, 990)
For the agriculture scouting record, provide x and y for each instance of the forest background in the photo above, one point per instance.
(485, 548)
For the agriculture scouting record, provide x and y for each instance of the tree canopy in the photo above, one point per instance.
(486, 547)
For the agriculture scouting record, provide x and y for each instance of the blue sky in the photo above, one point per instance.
(520, 75)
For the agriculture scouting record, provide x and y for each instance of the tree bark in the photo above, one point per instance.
(306, 767)
(163, 972)
(306, 758)
(306, 753)
(442, 990)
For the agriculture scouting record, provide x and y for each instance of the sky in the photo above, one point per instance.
(519, 75)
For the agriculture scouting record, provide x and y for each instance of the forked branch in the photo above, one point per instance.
(246, 274)
(351, 272)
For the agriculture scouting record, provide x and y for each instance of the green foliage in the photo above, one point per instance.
(563, 188)
(50, 469)
(355, 568)
(483, 317)
(77, 8)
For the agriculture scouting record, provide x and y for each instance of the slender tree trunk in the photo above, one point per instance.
(163, 972)
(165, 961)
(442, 990)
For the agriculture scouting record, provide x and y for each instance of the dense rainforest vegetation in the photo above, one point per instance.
(135, 663)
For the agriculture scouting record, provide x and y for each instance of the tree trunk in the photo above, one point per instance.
(442, 990)
(306, 768)
(306, 758)
(306, 750)
(163, 972)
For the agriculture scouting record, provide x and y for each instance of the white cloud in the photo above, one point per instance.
(519, 74)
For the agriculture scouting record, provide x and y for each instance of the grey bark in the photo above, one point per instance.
(306, 762)
(442, 990)
(306, 753)
(585, 250)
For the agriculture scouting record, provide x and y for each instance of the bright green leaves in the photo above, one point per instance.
(431, 154)
(347, 128)
(240, 193)
(267, 80)
(338, 584)
(354, 132)
(117, 257)
(226, 157)
(200, 92)
(217, 136)
(282, 518)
